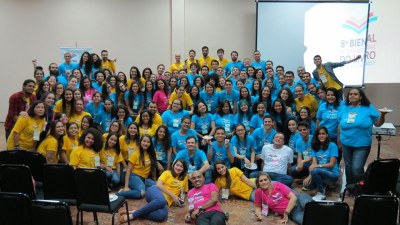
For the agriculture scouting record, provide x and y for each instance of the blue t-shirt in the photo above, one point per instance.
(327, 115)
(173, 120)
(105, 120)
(210, 100)
(293, 139)
(202, 124)
(243, 119)
(229, 66)
(195, 162)
(260, 65)
(324, 157)
(95, 111)
(179, 141)
(127, 121)
(161, 152)
(137, 101)
(232, 97)
(257, 121)
(304, 147)
(261, 138)
(225, 121)
(243, 147)
(356, 125)
(191, 77)
(219, 153)
(98, 87)
(62, 69)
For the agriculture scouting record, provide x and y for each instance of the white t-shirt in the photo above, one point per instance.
(276, 160)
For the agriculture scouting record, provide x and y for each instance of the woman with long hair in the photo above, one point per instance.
(287, 96)
(86, 64)
(234, 181)
(134, 99)
(148, 93)
(279, 114)
(324, 170)
(87, 90)
(86, 155)
(52, 143)
(27, 129)
(70, 141)
(66, 103)
(162, 145)
(161, 96)
(110, 158)
(210, 97)
(129, 143)
(225, 118)
(106, 115)
(146, 125)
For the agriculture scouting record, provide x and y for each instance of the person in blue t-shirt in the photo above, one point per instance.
(203, 123)
(210, 97)
(122, 117)
(178, 138)
(234, 63)
(264, 135)
(258, 117)
(291, 133)
(65, 68)
(303, 150)
(355, 127)
(195, 158)
(220, 149)
(324, 170)
(162, 146)
(243, 146)
(225, 118)
(134, 99)
(244, 114)
(229, 95)
(95, 107)
(106, 115)
(172, 117)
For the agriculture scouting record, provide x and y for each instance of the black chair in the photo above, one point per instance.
(12, 157)
(15, 209)
(35, 161)
(59, 183)
(375, 210)
(92, 194)
(16, 178)
(46, 212)
(327, 213)
(380, 178)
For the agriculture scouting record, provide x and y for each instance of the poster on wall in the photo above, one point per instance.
(75, 53)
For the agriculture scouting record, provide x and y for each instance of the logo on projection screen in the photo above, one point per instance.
(359, 25)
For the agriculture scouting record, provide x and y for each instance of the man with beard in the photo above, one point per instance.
(234, 63)
(206, 59)
(53, 70)
(19, 102)
(65, 68)
(107, 63)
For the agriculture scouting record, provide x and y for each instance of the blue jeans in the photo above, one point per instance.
(322, 177)
(297, 212)
(113, 177)
(299, 174)
(156, 208)
(282, 178)
(355, 158)
(137, 184)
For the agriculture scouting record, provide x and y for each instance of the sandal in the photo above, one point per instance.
(124, 218)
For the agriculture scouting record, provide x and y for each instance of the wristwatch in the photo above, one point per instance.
(320, 166)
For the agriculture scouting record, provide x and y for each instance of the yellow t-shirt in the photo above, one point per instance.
(188, 62)
(223, 62)
(157, 120)
(110, 158)
(58, 108)
(109, 64)
(205, 61)
(49, 144)
(127, 149)
(151, 131)
(129, 82)
(186, 100)
(308, 101)
(69, 145)
(138, 168)
(176, 66)
(173, 185)
(82, 157)
(78, 118)
(327, 79)
(238, 187)
(25, 127)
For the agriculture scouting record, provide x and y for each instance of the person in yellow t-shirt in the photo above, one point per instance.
(178, 65)
(141, 170)
(155, 116)
(50, 147)
(187, 102)
(305, 100)
(78, 114)
(192, 59)
(206, 59)
(70, 141)
(234, 181)
(86, 155)
(107, 63)
(222, 61)
(110, 158)
(27, 129)
(174, 183)
(146, 125)
(129, 143)
(64, 105)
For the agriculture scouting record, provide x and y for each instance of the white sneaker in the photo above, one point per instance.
(319, 196)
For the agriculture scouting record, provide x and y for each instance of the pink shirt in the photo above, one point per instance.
(198, 197)
(88, 96)
(277, 201)
(162, 101)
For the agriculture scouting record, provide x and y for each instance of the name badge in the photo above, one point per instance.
(225, 193)
(96, 161)
(110, 161)
(352, 118)
(36, 134)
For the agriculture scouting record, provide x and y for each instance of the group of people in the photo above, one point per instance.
(219, 123)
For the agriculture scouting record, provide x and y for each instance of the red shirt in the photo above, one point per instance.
(17, 104)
